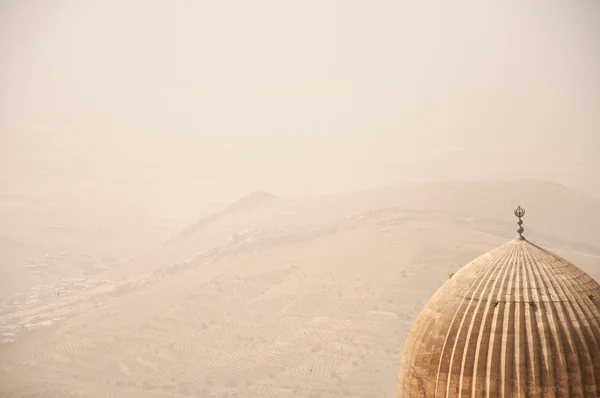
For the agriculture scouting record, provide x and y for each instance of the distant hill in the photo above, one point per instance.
(553, 211)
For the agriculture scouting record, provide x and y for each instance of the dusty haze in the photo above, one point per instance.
(191, 191)
(299, 97)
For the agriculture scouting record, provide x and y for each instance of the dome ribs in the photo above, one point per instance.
(533, 342)
(520, 335)
(575, 343)
(592, 331)
(582, 318)
(517, 321)
(546, 348)
(557, 319)
(485, 339)
(495, 348)
(507, 349)
(470, 351)
(449, 363)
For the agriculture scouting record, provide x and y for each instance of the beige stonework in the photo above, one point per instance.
(518, 321)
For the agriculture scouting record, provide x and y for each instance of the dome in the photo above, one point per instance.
(517, 321)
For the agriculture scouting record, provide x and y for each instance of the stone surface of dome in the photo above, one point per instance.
(519, 321)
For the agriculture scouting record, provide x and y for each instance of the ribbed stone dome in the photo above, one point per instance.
(518, 321)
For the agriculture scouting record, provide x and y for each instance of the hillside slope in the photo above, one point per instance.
(276, 296)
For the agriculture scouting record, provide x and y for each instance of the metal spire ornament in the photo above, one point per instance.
(520, 212)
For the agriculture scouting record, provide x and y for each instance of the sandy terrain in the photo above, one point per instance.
(301, 297)
(176, 213)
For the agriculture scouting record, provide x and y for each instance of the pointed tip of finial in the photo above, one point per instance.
(520, 212)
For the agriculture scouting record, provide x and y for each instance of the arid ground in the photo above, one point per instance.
(189, 201)
(266, 297)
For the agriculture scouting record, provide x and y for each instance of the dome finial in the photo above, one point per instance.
(520, 212)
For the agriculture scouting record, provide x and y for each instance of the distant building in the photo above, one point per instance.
(519, 321)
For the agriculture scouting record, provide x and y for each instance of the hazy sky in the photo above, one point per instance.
(300, 96)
